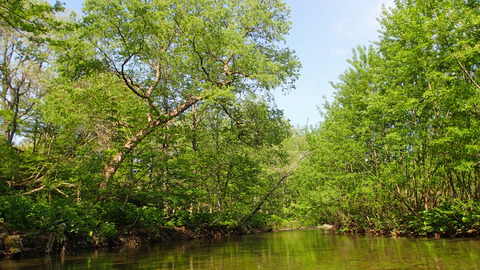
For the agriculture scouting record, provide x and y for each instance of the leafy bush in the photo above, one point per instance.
(122, 214)
(449, 217)
(17, 213)
(107, 231)
(151, 217)
(202, 218)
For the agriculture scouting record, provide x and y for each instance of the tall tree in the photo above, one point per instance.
(173, 54)
(24, 28)
(407, 112)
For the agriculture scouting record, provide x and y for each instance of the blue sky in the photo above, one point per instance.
(323, 34)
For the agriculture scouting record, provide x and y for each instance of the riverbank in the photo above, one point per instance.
(296, 249)
(17, 244)
(458, 233)
(26, 244)
(37, 243)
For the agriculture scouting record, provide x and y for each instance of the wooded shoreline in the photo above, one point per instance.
(153, 119)
(46, 244)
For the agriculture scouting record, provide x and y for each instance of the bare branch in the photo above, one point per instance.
(201, 59)
(284, 176)
(468, 73)
(32, 191)
(128, 81)
(59, 191)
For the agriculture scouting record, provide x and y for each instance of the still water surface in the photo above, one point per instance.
(308, 249)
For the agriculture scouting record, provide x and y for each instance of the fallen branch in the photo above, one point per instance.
(282, 178)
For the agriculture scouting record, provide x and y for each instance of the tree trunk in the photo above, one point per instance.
(131, 143)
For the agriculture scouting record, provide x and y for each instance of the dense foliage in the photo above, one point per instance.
(399, 147)
(148, 116)
(142, 116)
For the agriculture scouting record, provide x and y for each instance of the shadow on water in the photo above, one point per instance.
(308, 249)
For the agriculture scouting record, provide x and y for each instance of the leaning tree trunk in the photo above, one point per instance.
(131, 143)
(259, 205)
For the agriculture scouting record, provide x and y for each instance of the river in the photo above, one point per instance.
(305, 249)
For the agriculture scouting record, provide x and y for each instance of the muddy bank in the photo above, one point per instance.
(17, 244)
(459, 233)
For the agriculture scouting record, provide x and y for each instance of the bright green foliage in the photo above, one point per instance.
(29, 16)
(173, 54)
(400, 142)
(183, 48)
(149, 115)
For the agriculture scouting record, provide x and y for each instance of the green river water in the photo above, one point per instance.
(307, 249)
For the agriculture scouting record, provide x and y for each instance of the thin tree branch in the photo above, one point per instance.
(287, 174)
(467, 73)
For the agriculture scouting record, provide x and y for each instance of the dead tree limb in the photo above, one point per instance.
(284, 176)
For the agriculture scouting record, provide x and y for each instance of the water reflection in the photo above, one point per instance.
(310, 249)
